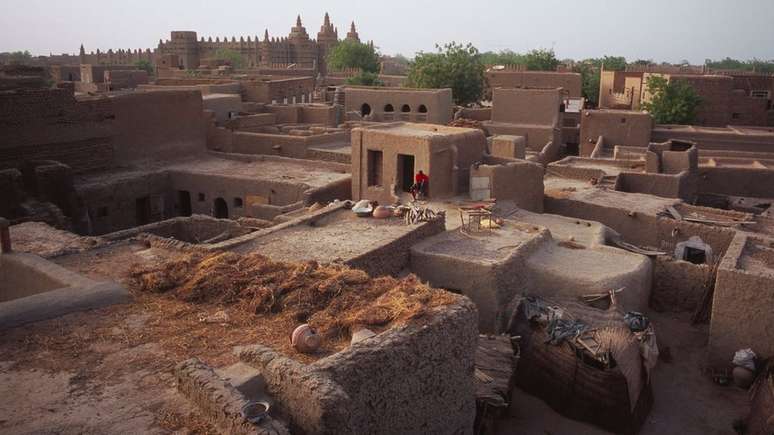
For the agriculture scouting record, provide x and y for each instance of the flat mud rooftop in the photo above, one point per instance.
(252, 168)
(110, 370)
(337, 236)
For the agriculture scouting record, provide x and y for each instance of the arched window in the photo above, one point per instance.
(389, 108)
(365, 109)
(422, 108)
(406, 108)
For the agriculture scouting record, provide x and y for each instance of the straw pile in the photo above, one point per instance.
(331, 298)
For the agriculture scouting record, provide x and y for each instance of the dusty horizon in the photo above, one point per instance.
(715, 29)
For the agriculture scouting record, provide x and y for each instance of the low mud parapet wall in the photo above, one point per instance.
(391, 258)
(640, 228)
(743, 304)
(416, 378)
(678, 285)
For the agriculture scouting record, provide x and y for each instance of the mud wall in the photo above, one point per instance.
(518, 181)
(570, 82)
(273, 144)
(761, 140)
(490, 285)
(742, 308)
(681, 186)
(411, 379)
(49, 124)
(638, 227)
(393, 257)
(737, 181)
(158, 125)
(618, 127)
(678, 285)
(112, 205)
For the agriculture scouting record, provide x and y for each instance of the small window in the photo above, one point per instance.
(365, 109)
(760, 94)
(389, 108)
(736, 115)
(406, 108)
(623, 120)
(202, 197)
(238, 203)
(102, 212)
(422, 108)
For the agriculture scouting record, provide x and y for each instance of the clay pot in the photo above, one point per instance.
(382, 212)
(304, 339)
(743, 377)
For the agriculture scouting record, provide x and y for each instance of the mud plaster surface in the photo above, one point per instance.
(686, 401)
(339, 236)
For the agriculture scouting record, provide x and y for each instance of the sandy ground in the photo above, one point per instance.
(686, 400)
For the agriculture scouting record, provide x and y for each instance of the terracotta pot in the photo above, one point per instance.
(743, 377)
(382, 212)
(304, 339)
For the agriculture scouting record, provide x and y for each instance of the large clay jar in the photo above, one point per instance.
(743, 377)
(382, 212)
(304, 339)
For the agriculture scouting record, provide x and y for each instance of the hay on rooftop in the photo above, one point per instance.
(332, 298)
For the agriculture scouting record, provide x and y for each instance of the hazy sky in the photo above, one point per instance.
(669, 30)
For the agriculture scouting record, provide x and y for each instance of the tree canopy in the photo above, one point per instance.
(503, 57)
(19, 57)
(454, 66)
(541, 60)
(145, 65)
(232, 57)
(756, 65)
(365, 79)
(672, 101)
(535, 60)
(353, 54)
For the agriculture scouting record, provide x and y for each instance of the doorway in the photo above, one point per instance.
(184, 202)
(221, 208)
(405, 172)
(142, 210)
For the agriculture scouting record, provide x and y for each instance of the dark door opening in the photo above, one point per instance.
(375, 167)
(695, 256)
(405, 172)
(184, 202)
(142, 210)
(221, 208)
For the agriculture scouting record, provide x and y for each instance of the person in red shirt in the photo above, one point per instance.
(420, 185)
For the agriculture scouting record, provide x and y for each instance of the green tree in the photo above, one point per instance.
(614, 63)
(503, 57)
(231, 57)
(454, 66)
(589, 80)
(19, 58)
(671, 102)
(541, 60)
(365, 79)
(756, 65)
(145, 65)
(353, 54)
